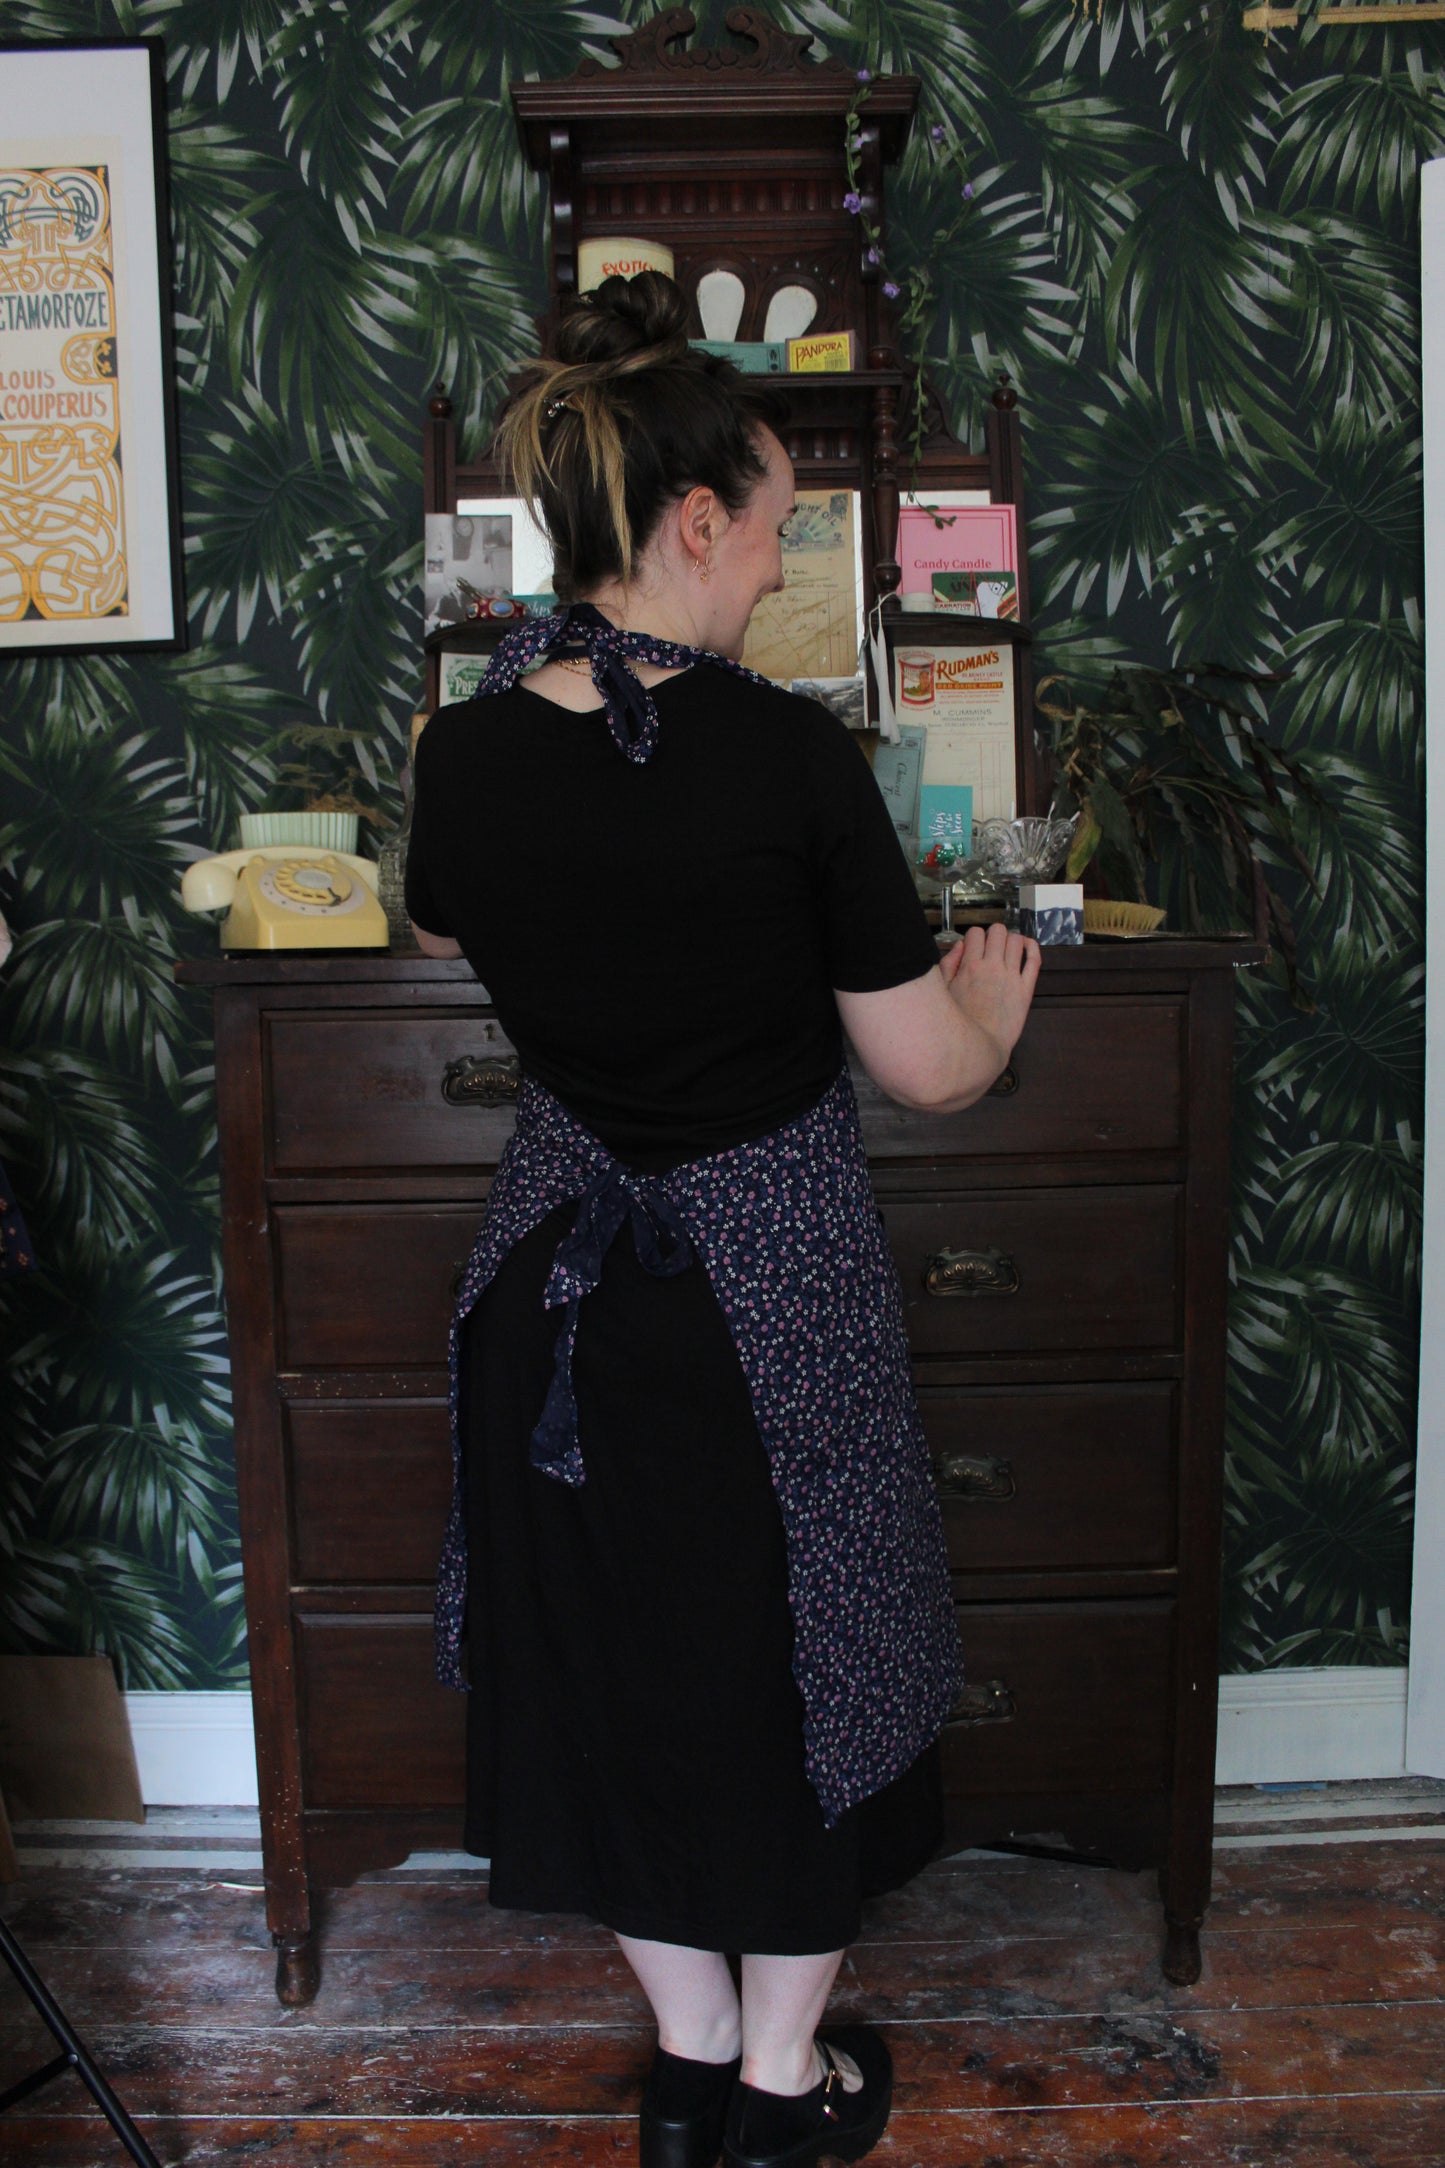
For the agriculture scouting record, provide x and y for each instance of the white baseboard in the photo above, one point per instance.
(1300, 1727)
(194, 1750)
(1275, 1727)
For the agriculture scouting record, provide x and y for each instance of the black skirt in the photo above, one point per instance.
(635, 1734)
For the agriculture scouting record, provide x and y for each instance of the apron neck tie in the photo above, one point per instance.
(579, 628)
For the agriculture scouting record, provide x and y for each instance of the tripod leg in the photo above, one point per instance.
(45, 2075)
(77, 2053)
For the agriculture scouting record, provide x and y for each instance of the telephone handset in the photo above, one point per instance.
(284, 895)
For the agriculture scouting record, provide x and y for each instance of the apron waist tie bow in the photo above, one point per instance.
(663, 1249)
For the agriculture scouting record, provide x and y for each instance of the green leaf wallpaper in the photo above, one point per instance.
(1195, 251)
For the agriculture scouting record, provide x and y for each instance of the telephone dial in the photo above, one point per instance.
(285, 895)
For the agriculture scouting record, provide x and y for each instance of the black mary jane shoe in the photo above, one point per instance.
(684, 2104)
(788, 2130)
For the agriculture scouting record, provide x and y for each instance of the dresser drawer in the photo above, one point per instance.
(363, 1287)
(367, 1287)
(1030, 1478)
(1063, 1697)
(1043, 1477)
(378, 1731)
(370, 1486)
(1087, 1076)
(1036, 1271)
(374, 1089)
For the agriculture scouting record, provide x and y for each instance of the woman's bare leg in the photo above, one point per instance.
(692, 1996)
(783, 2003)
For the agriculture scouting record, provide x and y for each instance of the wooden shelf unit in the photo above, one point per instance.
(734, 158)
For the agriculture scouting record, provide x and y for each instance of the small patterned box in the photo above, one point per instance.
(1053, 912)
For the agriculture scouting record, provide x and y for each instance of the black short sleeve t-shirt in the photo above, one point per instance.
(662, 940)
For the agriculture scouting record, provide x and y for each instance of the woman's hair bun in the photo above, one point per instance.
(621, 420)
(622, 317)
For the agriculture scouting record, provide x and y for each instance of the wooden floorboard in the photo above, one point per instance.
(1023, 2002)
(1361, 2132)
(995, 2063)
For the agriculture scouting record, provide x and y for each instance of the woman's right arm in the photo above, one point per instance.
(939, 1041)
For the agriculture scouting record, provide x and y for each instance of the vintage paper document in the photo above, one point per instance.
(812, 629)
(62, 468)
(964, 697)
(897, 770)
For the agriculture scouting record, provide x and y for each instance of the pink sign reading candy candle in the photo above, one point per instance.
(972, 538)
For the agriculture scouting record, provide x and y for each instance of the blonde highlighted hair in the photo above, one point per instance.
(624, 419)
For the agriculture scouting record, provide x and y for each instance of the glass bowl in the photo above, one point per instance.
(1031, 849)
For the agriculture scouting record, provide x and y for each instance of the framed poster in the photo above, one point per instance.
(90, 552)
(964, 699)
(529, 558)
(813, 629)
(466, 558)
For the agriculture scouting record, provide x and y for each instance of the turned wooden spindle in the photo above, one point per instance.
(439, 479)
(886, 574)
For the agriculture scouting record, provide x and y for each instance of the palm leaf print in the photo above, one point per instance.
(1194, 251)
(80, 1133)
(1348, 289)
(1359, 138)
(1087, 147)
(949, 47)
(462, 161)
(1132, 470)
(523, 37)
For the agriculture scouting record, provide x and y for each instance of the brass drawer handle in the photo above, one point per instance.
(1005, 1085)
(974, 1475)
(990, 1703)
(970, 1272)
(482, 1080)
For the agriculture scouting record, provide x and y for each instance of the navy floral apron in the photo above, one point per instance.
(789, 1234)
(790, 1238)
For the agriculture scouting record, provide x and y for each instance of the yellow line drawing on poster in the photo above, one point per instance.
(62, 501)
(811, 629)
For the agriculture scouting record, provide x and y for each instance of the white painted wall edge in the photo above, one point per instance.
(1427, 1603)
(1275, 1727)
(194, 1750)
(1301, 1727)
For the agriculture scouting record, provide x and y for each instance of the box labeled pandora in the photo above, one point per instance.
(1052, 913)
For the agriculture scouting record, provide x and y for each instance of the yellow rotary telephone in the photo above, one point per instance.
(285, 895)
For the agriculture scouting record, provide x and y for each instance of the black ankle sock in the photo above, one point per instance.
(678, 2087)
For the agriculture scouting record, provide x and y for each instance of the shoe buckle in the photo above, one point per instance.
(828, 2084)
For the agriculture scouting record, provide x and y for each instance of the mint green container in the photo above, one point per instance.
(322, 831)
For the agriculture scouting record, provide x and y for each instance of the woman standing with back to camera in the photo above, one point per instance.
(696, 1563)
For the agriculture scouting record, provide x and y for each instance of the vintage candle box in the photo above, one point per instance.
(976, 594)
(828, 352)
(619, 255)
(979, 538)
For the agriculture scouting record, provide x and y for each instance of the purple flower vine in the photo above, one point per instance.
(914, 287)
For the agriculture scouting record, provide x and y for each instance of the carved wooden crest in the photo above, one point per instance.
(660, 48)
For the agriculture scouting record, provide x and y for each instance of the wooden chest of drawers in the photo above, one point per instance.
(1062, 1249)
